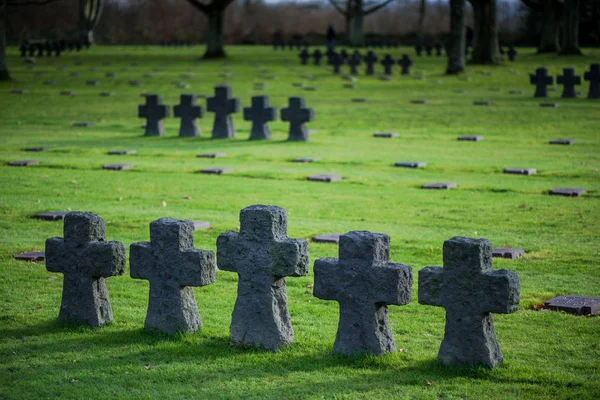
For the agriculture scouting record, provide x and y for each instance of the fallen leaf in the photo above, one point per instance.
(51, 278)
(538, 307)
(187, 197)
(164, 203)
(523, 206)
(73, 380)
(68, 208)
(403, 350)
(74, 361)
(121, 198)
(475, 232)
(39, 201)
(311, 285)
(308, 292)
(595, 345)
(74, 182)
(429, 383)
(148, 366)
(38, 307)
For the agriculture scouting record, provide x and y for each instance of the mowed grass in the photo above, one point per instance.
(547, 355)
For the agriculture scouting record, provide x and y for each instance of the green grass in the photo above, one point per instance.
(547, 355)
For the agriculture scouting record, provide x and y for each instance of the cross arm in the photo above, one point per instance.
(227, 251)
(271, 113)
(141, 260)
(430, 286)
(142, 113)
(327, 275)
(501, 291)
(55, 258)
(165, 111)
(105, 258)
(196, 268)
(290, 257)
(308, 114)
(233, 105)
(392, 284)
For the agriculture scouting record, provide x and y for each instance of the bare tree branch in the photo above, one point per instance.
(200, 6)
(17, 3)
(377, 7)
(213, 4)
(337, 7)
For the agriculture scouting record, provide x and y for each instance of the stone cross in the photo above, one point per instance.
(470, 290)
(297, 115)
(428, 49)
(188, 111)
(388, 63)
(330, 52)
(337, 61)
(370, 60)
(568, 79)
(154, 111)
(593, 75)
(23, 50)
(317, 55)
(512, 53)
(304, 57)
(344, 54)
(172, 265)
(354, 62)
(438, 49)
(419, 50)
(260, 114)
(262, 255)
(541, 80)
(363, 281)
(405, 62)
(222, 104)
(86, 260)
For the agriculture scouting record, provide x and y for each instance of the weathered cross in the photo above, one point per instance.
(154, 111)
(541, 80)
(188, 111)
(297, 115)
(405, 62)
(262, 255)
(344, 54)
(330, 52)
(317, 55)
(438, 49)
(337, 61)
(370, 60)
(419, 50)
(512, 53)
(363, 281)
(304, 57)
(388, 63)
(222, 104)
(470, 290)
(172, 265)
(354, 62)
(260, 114)
(568, 79)
(593, 75)
(85, 259)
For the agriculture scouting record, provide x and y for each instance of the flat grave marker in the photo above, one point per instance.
(121, 152)
(470, 138)
(201, 225)
(573, 304)
(216, 171)
(117, 167)
(483, 103)
(83, 124)
(324, 178)
(305, 160)
(67, 93)
(520, 171)
(37, 149)
(508, 253)
(33, 256)
(51, 215)
(210, 155)
(22, 163)
(418, 101)
(410, 164)
(386, 135)
(568, 192)
(19, 91)
(107, 94)
(439, 185)
(549, 105)
(327, 238)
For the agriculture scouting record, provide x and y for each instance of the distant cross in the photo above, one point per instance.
(57, 49)
(260, 114)
(330, 52)
(23, 50)
(188, 111)
(317, 55)
(540, 80)
(223, 105)
(467, 49)
(262, 255)
(304, 57)
(344, 54)
(31, 50)
(337, 61)
(429, 49)
(40, 50)
(363, 281)
(297, 115)
(388, 63)
(593, 75)
(86, 259)
(48, 47)
(438, 49)
(512, 53)
(405, 62)
(354, 62)
(370, 60)
(470, 290)
(419, 50)
(568, 79)
(154, 111)
(173, 266)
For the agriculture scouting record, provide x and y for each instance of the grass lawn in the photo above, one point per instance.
(547, 355)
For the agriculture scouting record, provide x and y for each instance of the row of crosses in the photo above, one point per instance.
(49, 47)
(569, 80)
(224, 105)
(353, 61)
(362, 280)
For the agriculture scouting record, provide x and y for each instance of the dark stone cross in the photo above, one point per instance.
(405, 62)
(438, 49)
(470, 290)
(317, 55)
(173, 266)
(593, 76)
(337, 61)
(344, 54)
(363, 281)
(262, 255)
(429, 49)
(419, 50)
(297, 115)
(23, 50)
(388, 63)
(512, 53)
(86, 259)
(330, 52)
(370, 60)
(354, 62)
(154, 111)
(260, 114)
(568, 79)
(541, 79)
(188, 111)
(222, 104)
(304, 57)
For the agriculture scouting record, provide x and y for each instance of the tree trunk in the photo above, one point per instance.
(422, 12)
(549, 39)
(356, 35)
(4, 75)
(486, 48)
(570, 40)
(456, 44)
(214, 35)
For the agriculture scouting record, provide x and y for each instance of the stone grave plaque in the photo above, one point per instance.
(520, 171)
(324, 178)
(298, 84)
(67, 93)
(19, 91)
(494, 89)
(50, 82)
(460, 91)
(573, 304)
(111, 75)
(385, 78)
(327, 238)
(549, 105)
(305, 160)
(567, 142)
(508, 252)
(210, 155)
(385, 134)
(470, 138)
(51, 216)
(410, 164)
(439, 185)
(483, 103)
(569, 192)
(42, 148)
(92, 83)
(33, 256)
(121, 152)
(83, 123)
(107, 94)
(117, 167)
(23, 163)
(216, 171)
(311, 88)
(199, 225)
(419, 101)
(349, 86)
(515, 92)
(359, 100)
(135, 83)
(74, 74)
